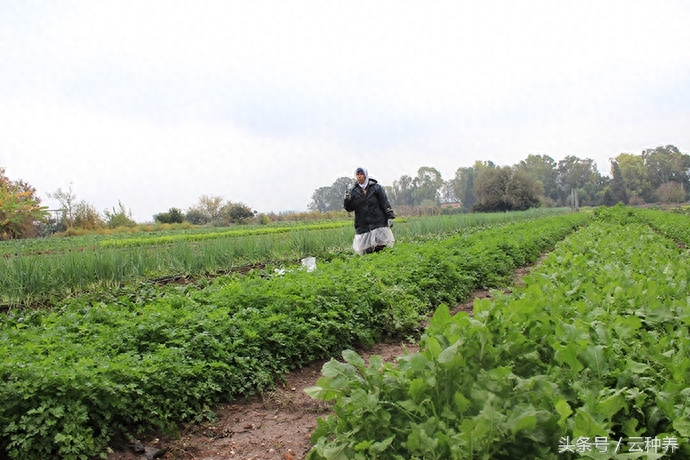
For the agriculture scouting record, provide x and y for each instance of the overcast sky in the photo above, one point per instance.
(156, 103)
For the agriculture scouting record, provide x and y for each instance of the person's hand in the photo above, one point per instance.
(390, 223)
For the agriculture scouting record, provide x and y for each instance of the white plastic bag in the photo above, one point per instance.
(310, 263)
(367, 242)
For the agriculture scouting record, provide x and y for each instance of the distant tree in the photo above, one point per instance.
(463, 186)
(523, 190)
(447, 193)
(68, 203)
(506, 189)
(570, 177)
(118, 218)
(618, 193)
(464, 182)
(671, 192)
(544, 169)
(196, 216)
(87, 217)
(263, 219)
(638, 187)
(211, 207)
(490, 189)
(401, 192)
(667, 164)
(426, 186)
(172, 216)
(330, 198)
(422, 190)
(20, 209)
(579, 181)
(236, 213)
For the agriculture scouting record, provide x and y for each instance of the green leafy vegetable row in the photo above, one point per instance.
(594, 346)
(674, 226)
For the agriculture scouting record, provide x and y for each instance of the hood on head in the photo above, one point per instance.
(366, 176)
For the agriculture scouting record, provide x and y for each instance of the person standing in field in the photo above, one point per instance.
(373, 214)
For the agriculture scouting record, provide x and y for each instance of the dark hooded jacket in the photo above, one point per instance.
(372, 209)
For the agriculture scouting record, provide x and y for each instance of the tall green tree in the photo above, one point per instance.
(667, 164)
(463, 186)
(426, 186)
(506, 189)
(196, 216)
(401, 192)
(235, 213)
(172, 216)
(616, 192)
(635, 177)
(448, 192)
(423, 189)
(464, 182)
(545, 170)
(330, 198)
(579, 181)
(524, 190)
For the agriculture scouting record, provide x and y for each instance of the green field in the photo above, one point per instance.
(594, 345)
(45, 271)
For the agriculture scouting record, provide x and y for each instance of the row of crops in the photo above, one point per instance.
(590, 358)
(592, 350)
(144, 357)
(45, 271)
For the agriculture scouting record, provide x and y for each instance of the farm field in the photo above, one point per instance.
(46, 271)
(138, 358)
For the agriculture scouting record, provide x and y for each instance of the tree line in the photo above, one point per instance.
(659, 175)
(210, 210)
(23, 216)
